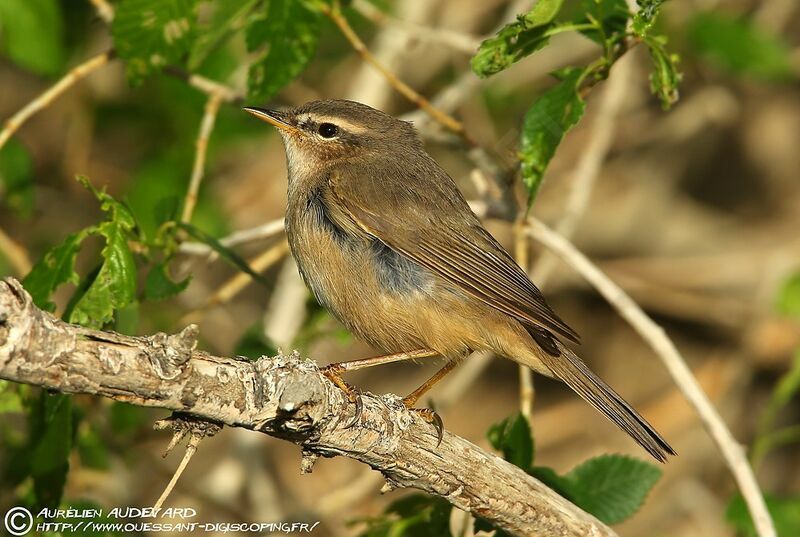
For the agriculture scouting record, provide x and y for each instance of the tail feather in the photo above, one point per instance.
(571, 370)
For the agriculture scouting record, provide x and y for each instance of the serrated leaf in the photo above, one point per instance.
(151, 34)
(740, 47)
(785, 513)
(31, 34)
(226, 253)
(114, 286)
(611, 15)
(665, 77)
(289, 29)
(16, 184)
(159, 285)
(51, 444)
(56, 267)
(513, 438)
(788, 302)
(227, 14)
(646, 16)
(562, 485)
(521, 38)
(612, 487)
(546, 122)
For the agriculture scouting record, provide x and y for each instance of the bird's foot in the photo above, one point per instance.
(333, 373)
(429, 415)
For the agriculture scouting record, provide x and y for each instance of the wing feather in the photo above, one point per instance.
(437, 229)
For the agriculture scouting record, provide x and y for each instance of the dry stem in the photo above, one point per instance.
(404, 89)
(201, 149)
(75, 75)
(236, 238)
(665, 349)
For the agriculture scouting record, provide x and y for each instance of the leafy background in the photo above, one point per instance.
(695, 214)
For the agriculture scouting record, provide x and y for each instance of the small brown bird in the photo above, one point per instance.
(386, 241)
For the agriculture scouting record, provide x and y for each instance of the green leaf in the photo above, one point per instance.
(31, 34)
(417, 515)
(159, 285)
(254, 344)
(16, 185)
(788, 302)
(51, 444)
(225, 20)
(521, 38)
(224, 252)
(56, 267)
(785, 512)
(665, 77)
(513, 438)
(546, 122)
(740, 47)
(114, 286)
(612, 487)
(562, 485)
(151, 34)
(290, 30)
(646, 16)
(612, 16)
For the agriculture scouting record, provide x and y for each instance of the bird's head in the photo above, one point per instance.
(320, 133)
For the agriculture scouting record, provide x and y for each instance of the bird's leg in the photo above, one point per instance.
(333, 373)
(426, 413)
(363, 363)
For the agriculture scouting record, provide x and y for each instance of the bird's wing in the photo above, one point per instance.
(421, 223)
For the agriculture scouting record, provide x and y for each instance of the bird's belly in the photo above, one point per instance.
(383, 298)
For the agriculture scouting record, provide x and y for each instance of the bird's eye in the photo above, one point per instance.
(328, 130)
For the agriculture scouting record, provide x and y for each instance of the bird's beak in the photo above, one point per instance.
(274, 117)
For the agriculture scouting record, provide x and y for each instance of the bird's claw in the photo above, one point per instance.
(332, 372)
(432, 417)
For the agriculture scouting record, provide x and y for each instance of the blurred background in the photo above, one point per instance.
(694, 211)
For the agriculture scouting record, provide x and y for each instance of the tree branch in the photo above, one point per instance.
(286, 397)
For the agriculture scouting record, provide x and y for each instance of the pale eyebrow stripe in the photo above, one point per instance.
(343, 123)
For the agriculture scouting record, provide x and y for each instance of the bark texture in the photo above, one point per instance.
(286, 397)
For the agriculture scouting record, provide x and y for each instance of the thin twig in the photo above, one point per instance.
(409, 93)
(526, 390)
(104, 10)
(210, 87)
(665, 349)
(459, 41)
(15, 253)
(75, 75)
(242, 236)
(237, 283)
(191, 449)
(591, 160)
(201, 149)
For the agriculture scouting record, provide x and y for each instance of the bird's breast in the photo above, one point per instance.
(368, 286)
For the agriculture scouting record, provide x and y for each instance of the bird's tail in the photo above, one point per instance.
(571, 370)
